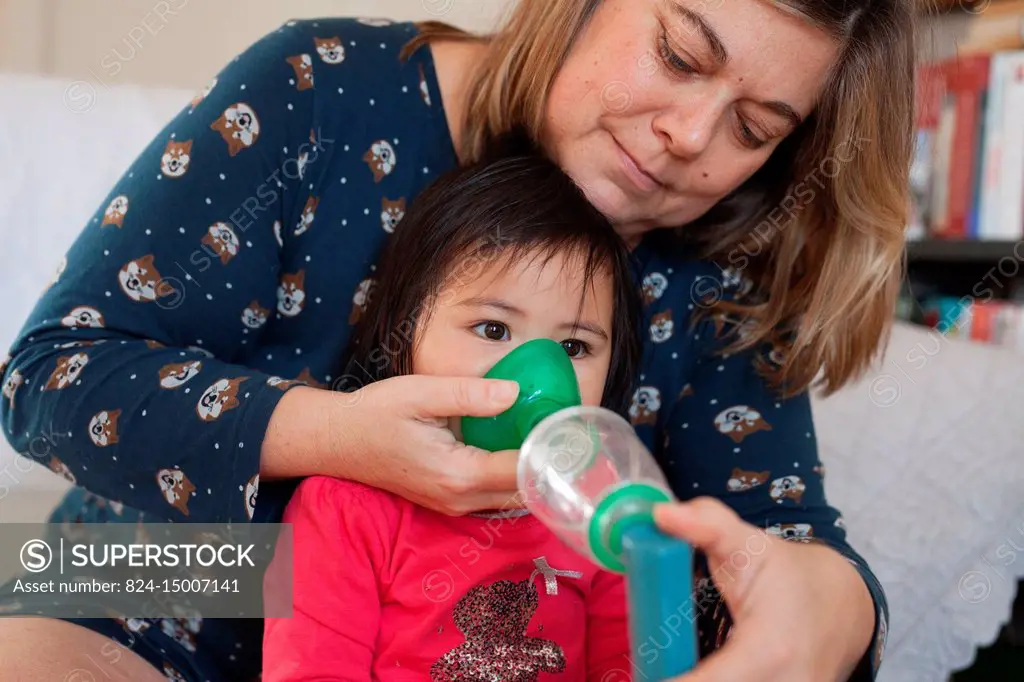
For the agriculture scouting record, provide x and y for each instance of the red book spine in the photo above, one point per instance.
(967, 80)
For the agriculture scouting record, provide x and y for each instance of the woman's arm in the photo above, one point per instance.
(339, 545)
(130, 364)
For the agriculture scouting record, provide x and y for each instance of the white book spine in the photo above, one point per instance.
(991, 160)
(1011, 172)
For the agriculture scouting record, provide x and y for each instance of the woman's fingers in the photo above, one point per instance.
(438, 397)
(708, 524)
(495, 472)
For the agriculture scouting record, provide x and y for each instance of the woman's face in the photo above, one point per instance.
(482, 316)
(663, 107)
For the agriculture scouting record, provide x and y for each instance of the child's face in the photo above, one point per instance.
(489, 310)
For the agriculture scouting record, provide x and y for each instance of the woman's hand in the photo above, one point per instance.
(801, 612)
(394, 435)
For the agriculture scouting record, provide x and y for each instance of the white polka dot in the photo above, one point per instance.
(209, 492)
(106, 252)
(199, 342)
(181, 229)
(341, 91)
(405, 88)
(696, 337)
(686, 426)
(372, 102)
(346, 147)
(290, 107)
(85, 468)
(209, 297)
(149, 231)
(107, 293)
(232, 657)
(675, 356)
(249, 244)
(246, 395)
(143, 413)
(238, 645)
(396, 140)
(317, 299)
(242, 86)
(721, 368)
(735, 449)
(188, 277)
(696, 485)
(241, 444)
(188, 390)
(208, 202)
(344, 180)
(291, 81)
(308, 258)
(172, 135)
(796, 464)
(160, 177)
(133, 377)
(285, 150)
(425, 170)
(269, 356)
(353, 43)
(216, 446)
(344, 222)
(298, 351)
(382, 46)
(131, 175)
(227, 284)
(808, 434)
(689, 307)
(366, 211)
(114, 457)
(223, 177)
(669, 271)
(778, 404)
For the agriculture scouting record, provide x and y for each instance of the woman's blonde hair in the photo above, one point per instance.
(818, 230)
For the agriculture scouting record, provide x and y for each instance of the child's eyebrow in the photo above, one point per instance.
(593, 328)
(500, 304)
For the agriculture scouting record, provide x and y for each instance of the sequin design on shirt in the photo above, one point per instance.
(494, 619)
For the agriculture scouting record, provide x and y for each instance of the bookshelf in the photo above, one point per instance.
(958, 251)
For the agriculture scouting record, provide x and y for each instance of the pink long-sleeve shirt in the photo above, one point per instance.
(387, 590)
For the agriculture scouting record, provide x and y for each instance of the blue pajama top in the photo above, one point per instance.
(231, 259)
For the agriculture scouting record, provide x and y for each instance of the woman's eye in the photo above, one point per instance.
(495, 331)
(748, 137)
(672, 59)
(575, 349)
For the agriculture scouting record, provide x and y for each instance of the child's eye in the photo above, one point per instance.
(495, 331)
(575, 349)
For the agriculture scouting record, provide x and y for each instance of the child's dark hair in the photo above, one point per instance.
(515, 203)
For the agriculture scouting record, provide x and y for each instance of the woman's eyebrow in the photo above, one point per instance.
(714, 43)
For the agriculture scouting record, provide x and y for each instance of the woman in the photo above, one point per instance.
(230, 259)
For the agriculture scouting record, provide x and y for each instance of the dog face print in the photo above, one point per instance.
(66, 372)
(11, 385)
(176, 631)
(177, 155)
(381, 159)
(735, 279)
(141, 281)
(252, 487)
(180, 373)
(739, 421)
(117, 209)
(741, 480)
(646, 403)
(239, 127)
(197, 100)
(103, 428)
(331, 50)
(255, 315)
(391, 213)
(361, 299)
(787, 487)
(306, 377)
(61, 469)
(424, 88)
(661, 327)
(133, 625)
(290, 295)
(776, 356)
(308, 214)
(176, 488)
(223, 241)
(792, 531)
(654, 286)
(83, 316)
(303, 65)
(220, 397)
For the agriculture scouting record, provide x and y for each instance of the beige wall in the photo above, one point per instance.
(179, 42)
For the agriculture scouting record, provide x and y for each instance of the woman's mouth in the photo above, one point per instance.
(638, 177)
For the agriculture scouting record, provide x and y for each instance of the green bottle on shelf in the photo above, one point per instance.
(547, 383)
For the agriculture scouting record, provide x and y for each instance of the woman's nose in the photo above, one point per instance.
(687, 128)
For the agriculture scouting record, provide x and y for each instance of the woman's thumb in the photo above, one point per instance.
(461, 396)
(710, 526)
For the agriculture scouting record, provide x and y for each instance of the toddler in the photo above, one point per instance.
(488, 257)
